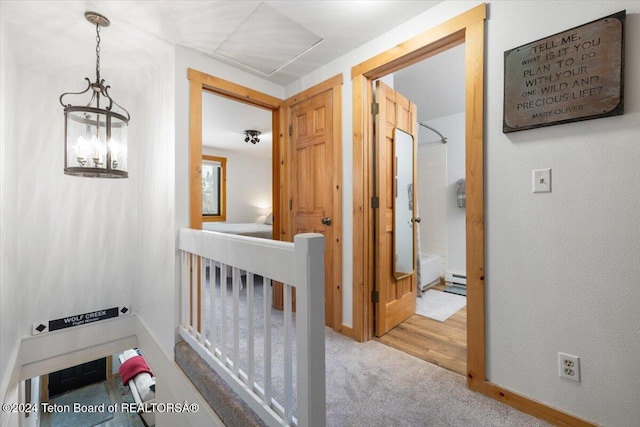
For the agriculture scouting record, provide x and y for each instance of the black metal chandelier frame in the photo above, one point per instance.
(105, 120)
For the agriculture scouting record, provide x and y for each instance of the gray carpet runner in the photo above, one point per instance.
(223, 400)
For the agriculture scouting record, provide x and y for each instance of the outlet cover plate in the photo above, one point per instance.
(569, 367)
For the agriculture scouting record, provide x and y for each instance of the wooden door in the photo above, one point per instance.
(77, 377)
(396, 298)
(311, 155)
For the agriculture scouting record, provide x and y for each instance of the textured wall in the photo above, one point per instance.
(81, 244)
(562, 268)
(432, 197)
(75, 252)
(439, 167)
(248, 185)
(154, 293)
(10, 302)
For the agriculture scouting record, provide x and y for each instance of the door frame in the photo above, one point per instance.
(335, 85)
(199, 82)
(466, 28)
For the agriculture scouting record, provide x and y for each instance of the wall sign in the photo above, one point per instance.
(574, 75)
(78, 319)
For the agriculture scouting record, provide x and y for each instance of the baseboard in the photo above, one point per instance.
(533, 407)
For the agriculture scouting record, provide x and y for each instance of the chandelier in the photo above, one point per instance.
(252, 136)
(95, 140)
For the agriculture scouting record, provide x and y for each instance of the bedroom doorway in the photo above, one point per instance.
(202, 84)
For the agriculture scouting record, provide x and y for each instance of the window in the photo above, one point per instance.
(214, 188)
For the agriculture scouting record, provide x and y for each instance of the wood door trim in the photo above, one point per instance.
(442, 37)
(233, 90)
(335, 85)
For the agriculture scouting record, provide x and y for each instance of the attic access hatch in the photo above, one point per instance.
(267, 41)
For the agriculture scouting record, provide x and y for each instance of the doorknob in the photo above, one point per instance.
(326, 220)
(416, 219)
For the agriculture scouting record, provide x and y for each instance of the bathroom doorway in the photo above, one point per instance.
(467, 28)
(436, 329)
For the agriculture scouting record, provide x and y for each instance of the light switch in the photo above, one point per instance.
(542, 180)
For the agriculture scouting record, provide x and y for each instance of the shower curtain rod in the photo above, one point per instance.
(443, 138)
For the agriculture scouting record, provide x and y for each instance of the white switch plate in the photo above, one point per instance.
(542, 180)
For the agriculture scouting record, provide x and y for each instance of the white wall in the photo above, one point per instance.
(155, 292)
(70, 244)
(74, 251)
(432, 197)
(444, 164)
(10, 302)
(453, 128)
(562, 269)
(248, 185)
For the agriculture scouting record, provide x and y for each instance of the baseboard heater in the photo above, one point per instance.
(456, 283)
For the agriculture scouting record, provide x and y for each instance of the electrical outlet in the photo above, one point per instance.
(569, 367)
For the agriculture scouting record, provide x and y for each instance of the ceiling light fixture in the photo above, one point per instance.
(95, 140)
(252, 136)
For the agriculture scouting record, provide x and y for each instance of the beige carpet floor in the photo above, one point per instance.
(372, 385)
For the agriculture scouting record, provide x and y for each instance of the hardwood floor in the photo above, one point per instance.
(441, 343)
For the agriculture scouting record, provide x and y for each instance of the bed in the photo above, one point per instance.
(263, 230)
(252, 229)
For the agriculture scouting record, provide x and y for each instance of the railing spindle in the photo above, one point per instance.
(236, 321)
(212, 303)
(194, 295)
(288, 357)
(267, 341)
(250, 336)
(184, 286)
(223, 313)
(203, 308)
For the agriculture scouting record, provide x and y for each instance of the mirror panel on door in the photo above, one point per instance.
(403, 205)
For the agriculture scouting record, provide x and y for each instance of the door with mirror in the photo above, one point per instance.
(395, 161)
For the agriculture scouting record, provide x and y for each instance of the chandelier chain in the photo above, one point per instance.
(97, 53)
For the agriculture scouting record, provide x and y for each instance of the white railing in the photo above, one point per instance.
(224, 327)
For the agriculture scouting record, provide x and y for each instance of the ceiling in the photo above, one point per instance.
(279, 41)
(225, 120)
(435, 85)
